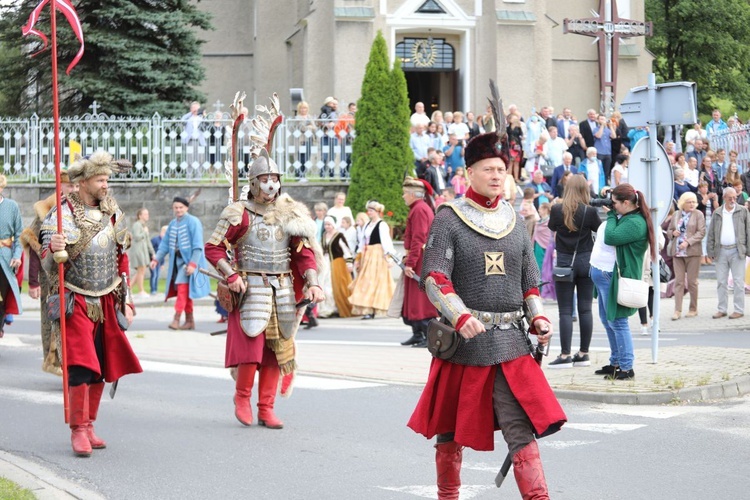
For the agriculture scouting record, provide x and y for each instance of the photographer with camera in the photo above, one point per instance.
(573, 221)
(629, 229)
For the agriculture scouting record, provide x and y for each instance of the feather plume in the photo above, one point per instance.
(121, 166)
(496, 103)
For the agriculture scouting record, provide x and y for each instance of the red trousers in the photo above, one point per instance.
(184, 302)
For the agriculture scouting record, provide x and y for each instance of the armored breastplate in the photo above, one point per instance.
(264, 248)
(94, 271)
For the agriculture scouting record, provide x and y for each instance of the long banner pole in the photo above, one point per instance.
(60, 257)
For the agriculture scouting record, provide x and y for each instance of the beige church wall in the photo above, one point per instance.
(352, 51)
(272, 72)
(576, 87)
(222, 84)
(517, 72)
(319, 62)
(228, 51)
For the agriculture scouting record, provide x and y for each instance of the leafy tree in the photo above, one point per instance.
(141, 57)
(381, 153)
(703, 42)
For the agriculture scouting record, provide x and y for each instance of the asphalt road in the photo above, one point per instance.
(171, 434)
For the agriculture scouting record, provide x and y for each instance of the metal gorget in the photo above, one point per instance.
(492, 222)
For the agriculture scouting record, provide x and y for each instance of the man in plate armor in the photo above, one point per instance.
(38, 282)
(479, 271)
(95, 237)
(274, 254)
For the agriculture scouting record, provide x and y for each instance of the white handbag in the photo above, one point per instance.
(631, 292)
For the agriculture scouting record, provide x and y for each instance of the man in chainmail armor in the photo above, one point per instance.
(479, 271)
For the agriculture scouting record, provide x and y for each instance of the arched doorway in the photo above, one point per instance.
(431, 77)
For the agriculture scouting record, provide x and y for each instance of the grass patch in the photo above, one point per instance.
(725, 377)
(11, 491)
(677, 383)
(704, 380)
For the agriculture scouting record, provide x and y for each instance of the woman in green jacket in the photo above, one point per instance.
(630, 231)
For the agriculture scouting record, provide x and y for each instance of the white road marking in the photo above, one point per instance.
(467, 491)
(32, 396)
(652, 411)
(349, 342)
(300, 382)
(13, 341)
(561, 445)
(604, 428)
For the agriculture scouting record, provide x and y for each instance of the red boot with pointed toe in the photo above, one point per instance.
(79, 417)
(268, 384)
(243, 389)
(95, 397)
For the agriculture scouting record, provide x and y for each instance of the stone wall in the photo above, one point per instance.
(157, 198)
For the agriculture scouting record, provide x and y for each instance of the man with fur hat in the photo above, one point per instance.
(95, 237)
(417, 310)
(183, 242)
(273, 267)
(38, 282)
(479, 271)
(10, 256)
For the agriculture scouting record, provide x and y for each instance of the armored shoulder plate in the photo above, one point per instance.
(49, 226)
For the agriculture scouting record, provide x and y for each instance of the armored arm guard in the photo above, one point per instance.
(449, 304)
(311, 278)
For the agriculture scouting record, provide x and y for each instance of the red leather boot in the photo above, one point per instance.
(79, 418)
(527, 467)
(268, 384)
(448, 457)
(95, 396)
(243, 389)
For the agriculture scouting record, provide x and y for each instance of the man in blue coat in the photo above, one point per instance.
(183, 242)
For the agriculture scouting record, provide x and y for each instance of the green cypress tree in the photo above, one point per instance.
(141, 57)
(378, 166)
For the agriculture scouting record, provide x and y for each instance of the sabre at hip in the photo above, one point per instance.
(400, 264)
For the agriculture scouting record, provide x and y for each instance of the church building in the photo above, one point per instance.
(449, 50)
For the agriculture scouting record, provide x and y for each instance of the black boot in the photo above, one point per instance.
(312, 321)
(422, 328)
(416, 336)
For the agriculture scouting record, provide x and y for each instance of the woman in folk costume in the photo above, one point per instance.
(339, 271)
(141, 250)
(273, 266)
(479, 270)
(374, 286)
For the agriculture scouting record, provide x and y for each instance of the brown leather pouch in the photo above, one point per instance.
(227, 298)
(442, 339)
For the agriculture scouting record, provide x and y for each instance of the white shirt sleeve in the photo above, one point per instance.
(385, 238)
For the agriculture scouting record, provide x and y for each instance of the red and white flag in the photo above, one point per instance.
(70, 14)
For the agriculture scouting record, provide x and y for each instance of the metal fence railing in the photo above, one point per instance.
(304, 149)
(734, 139)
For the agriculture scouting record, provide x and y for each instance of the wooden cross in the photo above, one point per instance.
(608, 27)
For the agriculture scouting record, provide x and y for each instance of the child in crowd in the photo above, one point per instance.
(528, 210)
(459, 182)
